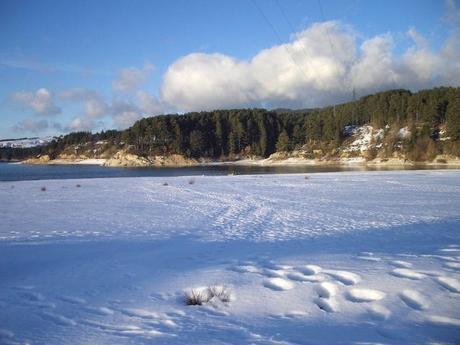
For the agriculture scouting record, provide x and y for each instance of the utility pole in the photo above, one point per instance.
(353, 117)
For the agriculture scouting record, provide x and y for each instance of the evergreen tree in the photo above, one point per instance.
(453, 117)
(283, 142)
(262, 132)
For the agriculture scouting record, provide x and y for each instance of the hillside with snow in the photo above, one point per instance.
(335, 258)
(26, 142)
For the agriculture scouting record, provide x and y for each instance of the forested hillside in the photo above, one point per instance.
(430, 120)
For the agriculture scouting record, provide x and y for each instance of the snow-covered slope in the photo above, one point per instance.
(26, 142)
(363, 138)
(337, 258)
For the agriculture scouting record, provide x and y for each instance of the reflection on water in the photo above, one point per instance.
(19, 172)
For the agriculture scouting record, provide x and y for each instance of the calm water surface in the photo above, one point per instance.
(22, 172)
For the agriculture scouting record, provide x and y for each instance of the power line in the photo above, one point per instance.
(294, 30)
(327, 29)
(279, 39)
(333, 49)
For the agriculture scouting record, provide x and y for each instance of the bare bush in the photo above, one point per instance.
(212, 293)
(165, 183)
(78, 185)
(191, 181)
(220, 292)
(196, 297)
(43, 189)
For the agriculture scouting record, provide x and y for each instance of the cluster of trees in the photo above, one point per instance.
(259, 132)
(18, 153)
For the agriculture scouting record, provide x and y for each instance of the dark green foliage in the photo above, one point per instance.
(258, 132)
(17, 154)
(283, 142)
(453, 117)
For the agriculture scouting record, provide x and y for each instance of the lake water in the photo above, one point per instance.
(21, 172)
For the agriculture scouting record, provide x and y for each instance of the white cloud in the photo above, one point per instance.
(307, 70)
(375, 68)
(150, 104)
(40, 101)
(78, 124)
(132, 77)
(319, 66)
(31, 126)
(419, 64)
(94, 105)
(125, 113)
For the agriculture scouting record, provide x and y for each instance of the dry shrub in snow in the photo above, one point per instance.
(43, 189)
(221, 292)
(165, 184)
(216, 293)
(191, 181)
(196, 297)
(78, 185)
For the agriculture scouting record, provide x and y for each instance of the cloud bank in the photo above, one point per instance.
(320, 65)
(132, 77)
(31, 126)
(40, 101)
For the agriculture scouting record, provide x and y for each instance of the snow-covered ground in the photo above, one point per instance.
(338, 258)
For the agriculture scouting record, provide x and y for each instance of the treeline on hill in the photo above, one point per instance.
(258, 132)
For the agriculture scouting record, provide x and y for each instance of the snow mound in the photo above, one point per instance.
(379, 312)
(326, 290)
(278, 284)
(365, 295)
(401, 264)
(414, 299)
(407, 273)
(327, 305)
(443, 320)
(344, 277)
(310, 269)
(453, 265)
(450, 284)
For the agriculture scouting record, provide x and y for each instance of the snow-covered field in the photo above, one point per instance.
(338, 258)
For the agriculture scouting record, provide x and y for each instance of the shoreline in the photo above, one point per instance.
(266, 162)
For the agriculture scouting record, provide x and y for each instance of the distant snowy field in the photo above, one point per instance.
(338, 258)
(26, 142)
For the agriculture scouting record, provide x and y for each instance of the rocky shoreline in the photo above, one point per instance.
(124, 159)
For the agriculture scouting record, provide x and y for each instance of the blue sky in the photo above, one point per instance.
(71, 65)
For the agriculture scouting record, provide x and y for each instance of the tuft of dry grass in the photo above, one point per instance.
(43, 189)
(78, 185)
(306, 177)
(196, 297)
(202, 296)
(191, 181)
(165, 183)
(220, 292)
